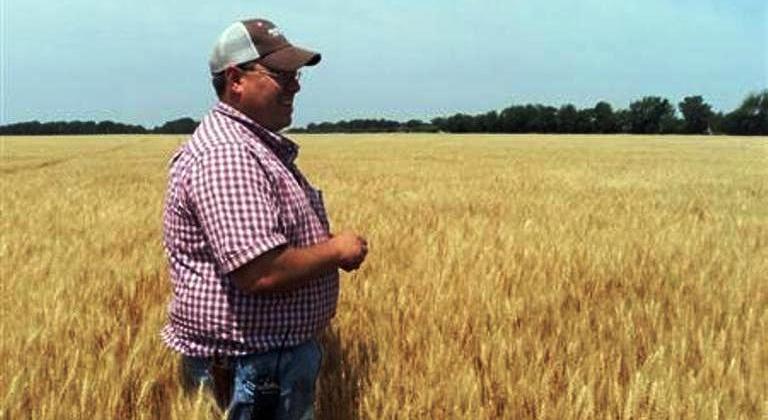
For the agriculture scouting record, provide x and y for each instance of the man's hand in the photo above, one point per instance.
(285, 268)
(351, 249)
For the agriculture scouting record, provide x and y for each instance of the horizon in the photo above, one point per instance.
(400, 121)
(152, 69)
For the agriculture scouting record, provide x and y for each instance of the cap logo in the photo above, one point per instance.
(274, 32)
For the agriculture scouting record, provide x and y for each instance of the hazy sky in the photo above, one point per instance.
(145, 61)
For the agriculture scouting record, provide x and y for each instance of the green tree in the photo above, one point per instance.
(623, 120)
(567, 119)
(513, 119)
(651, 115)
(585, 121)
(751, 118)
(605, 121)
(716, 122)
(488, 122)
(696, 113)
(180, 126)
(544, 120)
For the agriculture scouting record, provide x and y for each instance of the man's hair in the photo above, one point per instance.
(219, 80)
(219, 83)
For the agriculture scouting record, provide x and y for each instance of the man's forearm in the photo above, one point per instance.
(285, 268)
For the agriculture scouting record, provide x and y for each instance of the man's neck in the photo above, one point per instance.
(234, 105)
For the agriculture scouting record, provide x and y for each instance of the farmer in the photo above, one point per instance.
(253, 264)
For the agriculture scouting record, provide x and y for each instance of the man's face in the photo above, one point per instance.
(266, 96)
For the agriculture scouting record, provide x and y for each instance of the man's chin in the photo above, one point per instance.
(278, 124)
(287, 123)
(281, 126)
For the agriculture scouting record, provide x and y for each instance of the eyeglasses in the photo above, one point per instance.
(281, 77)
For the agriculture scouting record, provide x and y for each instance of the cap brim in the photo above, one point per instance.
(291, 59)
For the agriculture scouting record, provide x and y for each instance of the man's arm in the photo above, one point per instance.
(286, 268)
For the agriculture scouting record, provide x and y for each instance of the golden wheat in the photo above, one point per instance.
(548, 277)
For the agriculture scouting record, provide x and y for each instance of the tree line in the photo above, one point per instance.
(32, 128)
(649, 115)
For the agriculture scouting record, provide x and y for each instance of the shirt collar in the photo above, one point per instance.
(284, 147)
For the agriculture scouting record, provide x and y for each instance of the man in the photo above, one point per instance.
(253, 264)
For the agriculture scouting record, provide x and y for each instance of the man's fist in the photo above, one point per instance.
(351, 249)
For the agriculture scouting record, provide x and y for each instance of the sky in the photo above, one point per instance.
(146, 62)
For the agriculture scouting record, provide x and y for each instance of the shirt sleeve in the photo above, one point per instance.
(235, 206)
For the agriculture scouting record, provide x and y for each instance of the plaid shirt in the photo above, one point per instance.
(233, 194)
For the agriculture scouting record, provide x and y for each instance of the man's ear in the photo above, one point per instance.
(234, 77)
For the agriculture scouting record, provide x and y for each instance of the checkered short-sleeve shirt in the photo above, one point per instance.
(233, 194)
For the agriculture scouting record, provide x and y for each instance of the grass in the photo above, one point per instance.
(509, 277)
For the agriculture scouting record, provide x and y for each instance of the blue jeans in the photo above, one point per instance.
(296, 376)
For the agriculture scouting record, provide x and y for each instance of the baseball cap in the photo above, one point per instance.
(258, 39)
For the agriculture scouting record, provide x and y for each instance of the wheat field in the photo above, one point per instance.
(514, 277)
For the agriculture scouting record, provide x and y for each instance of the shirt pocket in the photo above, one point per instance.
(318, 205)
